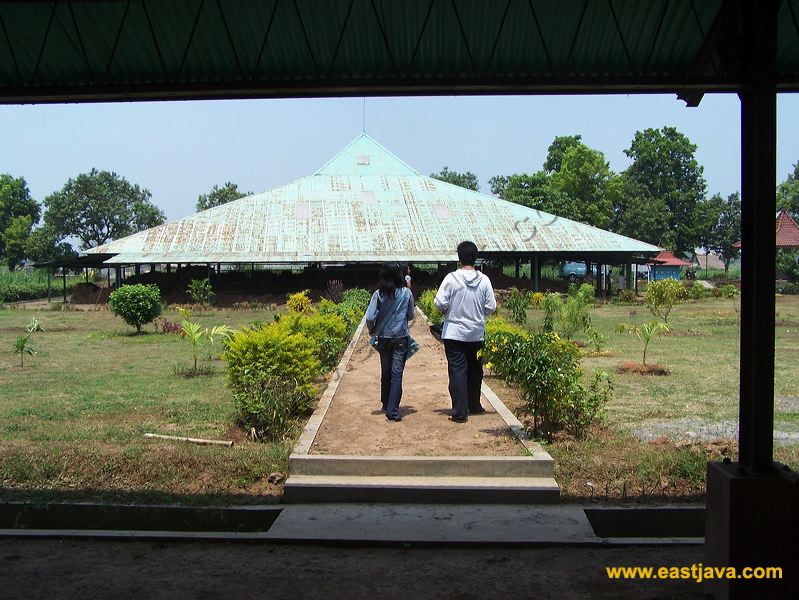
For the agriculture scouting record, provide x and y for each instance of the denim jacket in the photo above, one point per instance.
(397, 323)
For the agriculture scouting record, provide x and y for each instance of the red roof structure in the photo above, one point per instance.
(787, 231)
(667, 259)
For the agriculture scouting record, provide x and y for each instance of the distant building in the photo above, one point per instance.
(666, 266)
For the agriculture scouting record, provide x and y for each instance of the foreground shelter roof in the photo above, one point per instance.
(84, 50)
(364, 206)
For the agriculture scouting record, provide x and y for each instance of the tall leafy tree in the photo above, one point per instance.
(98, 207)
(640, 216)
(466, 180)
(45, 245)
(788, 193)
(664, 165)
(586, 180)
(220, 195)
(728, 230)
(18, 213)
(557, 150)
(708, 213)
(534, 191)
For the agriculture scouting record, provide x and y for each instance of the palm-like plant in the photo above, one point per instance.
(21, 347)
(195, 333)
(645, 333)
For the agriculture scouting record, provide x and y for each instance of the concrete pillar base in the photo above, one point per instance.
(752, 522)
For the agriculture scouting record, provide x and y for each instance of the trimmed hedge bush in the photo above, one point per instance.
(137, 304)
(429, 308)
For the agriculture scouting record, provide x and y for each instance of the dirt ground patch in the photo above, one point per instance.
(355, 425)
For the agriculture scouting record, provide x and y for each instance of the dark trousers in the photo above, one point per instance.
(465, 376)
(392, 364)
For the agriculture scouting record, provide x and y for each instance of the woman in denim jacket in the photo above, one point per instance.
(393, 336)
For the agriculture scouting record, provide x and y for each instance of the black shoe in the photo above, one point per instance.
(394, 420)
(479, 411)
(459, 419)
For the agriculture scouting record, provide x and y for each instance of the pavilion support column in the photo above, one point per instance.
(751, 516)
(117, 276)
(517, 262)
(137, 270)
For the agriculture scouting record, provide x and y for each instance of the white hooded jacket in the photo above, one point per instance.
(466, 298)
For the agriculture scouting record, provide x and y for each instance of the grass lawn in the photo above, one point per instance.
(73, 420)
(659, 431)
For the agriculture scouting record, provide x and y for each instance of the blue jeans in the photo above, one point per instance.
(465, 377)
(392, 364)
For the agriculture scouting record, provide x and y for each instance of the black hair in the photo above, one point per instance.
(390, 279)
(467, 253)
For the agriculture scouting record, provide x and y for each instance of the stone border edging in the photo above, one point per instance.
(303, 445)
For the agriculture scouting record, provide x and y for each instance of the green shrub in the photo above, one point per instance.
(269, 406)
(299, 302)
(271, 352)
(137, 304)
(662, 295)
(356, 297)
(428, 307)
(545, 369)
(350, 314)
(200, 291)
(517, 304)
(569, 315)
(627, 297)
(537, 299)
(327, 332)
(696, 291)
(500, 338)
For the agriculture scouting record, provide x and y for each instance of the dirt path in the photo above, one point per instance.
(355, 425)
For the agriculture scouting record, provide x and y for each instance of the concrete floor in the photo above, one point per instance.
(52, 568)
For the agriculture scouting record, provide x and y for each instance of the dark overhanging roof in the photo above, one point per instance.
(84, 50)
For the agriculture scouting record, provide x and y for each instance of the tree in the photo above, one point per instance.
(728, 230)
(15, 240)
(788, 193)
(663, 164)
(557, 150)
(466, 180)
(18, 213)
(43, 245)
(220, 195)
(639, 215)
(585, 178)
(534, 191)
(788, 264)
(98, 207)
(708, 213)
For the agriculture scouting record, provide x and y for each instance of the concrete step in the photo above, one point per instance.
(537, 465)
(300, 489)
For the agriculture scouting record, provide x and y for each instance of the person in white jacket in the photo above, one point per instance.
(465, 298)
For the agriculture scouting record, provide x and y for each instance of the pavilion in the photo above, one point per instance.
(367, 206)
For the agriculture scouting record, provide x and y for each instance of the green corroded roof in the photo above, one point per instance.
(365, 205)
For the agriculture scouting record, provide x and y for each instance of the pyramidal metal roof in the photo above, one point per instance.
(364, 205)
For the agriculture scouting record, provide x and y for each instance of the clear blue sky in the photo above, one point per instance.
(179, 150)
